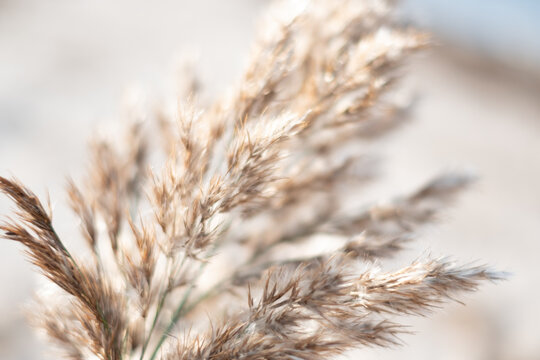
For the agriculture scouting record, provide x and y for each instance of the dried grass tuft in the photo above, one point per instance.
(264, 168)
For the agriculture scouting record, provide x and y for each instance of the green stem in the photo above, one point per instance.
(177, 313)
(166, 292)
(154, 322)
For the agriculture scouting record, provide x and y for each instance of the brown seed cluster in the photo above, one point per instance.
(210, 255)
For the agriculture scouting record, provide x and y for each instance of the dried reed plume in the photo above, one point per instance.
(256, 175)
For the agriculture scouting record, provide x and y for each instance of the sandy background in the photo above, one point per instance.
(64, 69)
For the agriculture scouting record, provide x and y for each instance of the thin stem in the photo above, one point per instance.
(206, 295)
(154, 322)
(178, 312)
(159, 308)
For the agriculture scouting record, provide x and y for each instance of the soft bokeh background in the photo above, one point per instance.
(65, 66)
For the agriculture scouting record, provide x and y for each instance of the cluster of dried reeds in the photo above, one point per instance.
(255, 176)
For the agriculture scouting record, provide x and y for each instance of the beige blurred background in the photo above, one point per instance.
(65, 66)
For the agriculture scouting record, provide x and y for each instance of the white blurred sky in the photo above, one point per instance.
(509, 30)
